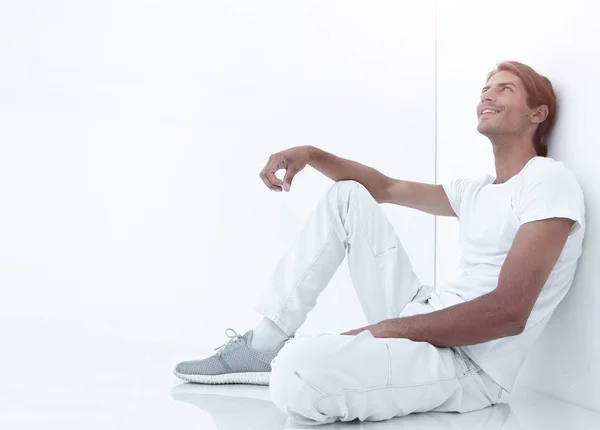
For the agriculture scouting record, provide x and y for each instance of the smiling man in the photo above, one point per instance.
(454, 349)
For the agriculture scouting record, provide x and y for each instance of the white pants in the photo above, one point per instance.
(325, 378)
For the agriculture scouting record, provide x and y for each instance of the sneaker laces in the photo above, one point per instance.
(233, 338)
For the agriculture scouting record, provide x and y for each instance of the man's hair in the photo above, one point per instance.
(539, 92)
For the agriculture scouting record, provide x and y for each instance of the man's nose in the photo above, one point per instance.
(487, 96)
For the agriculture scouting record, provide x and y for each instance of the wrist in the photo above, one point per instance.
(311, 153)
(385, 328)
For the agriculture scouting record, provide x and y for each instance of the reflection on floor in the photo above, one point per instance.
(232, 405)
(57, 378)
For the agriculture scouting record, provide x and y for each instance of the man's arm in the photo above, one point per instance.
(339, 169)
(429, 198)
(480, 320)
(500, 313)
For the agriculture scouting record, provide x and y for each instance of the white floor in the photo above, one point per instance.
(59, 379)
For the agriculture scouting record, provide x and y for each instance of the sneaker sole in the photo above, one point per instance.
(256, 378)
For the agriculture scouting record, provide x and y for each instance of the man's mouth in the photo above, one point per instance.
(488, 112)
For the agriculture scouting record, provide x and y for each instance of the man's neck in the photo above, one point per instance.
(510, 157)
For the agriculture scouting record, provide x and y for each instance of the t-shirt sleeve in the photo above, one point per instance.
(455, 189)
(552, 193)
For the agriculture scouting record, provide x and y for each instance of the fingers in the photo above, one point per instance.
(268, 176)
(275, 180)
(287, 179)
(270, 185)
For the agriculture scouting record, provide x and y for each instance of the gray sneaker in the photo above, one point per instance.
(235, 363)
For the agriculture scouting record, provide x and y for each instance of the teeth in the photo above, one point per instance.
(489, 110)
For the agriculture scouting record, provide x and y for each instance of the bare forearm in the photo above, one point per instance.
(480, 320)
(340, 169)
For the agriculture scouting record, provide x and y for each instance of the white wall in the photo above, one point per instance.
(131, 138)
(557, 38)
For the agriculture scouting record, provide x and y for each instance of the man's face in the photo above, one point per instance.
(504, 94)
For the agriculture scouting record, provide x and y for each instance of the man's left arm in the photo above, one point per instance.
(500, 313)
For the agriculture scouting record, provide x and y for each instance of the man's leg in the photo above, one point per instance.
(328, 377)
(347, 220)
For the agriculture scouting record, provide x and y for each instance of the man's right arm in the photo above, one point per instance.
(428, 198)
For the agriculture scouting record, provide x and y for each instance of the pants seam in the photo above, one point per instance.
(308, 268)
(362, 224)
(352, 203)
(389, 364)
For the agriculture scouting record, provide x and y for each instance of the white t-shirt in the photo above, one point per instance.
(489, 216)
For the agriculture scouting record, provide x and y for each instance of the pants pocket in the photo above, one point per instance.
(380, 239)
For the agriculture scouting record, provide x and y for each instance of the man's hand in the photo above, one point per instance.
(377, 330)
(292, 160)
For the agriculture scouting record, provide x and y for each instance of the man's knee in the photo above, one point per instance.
(346, 185)
(349, 189)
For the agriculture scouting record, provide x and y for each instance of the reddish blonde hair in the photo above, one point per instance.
(539, 92)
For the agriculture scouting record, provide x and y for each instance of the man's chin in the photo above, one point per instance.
(483, 129)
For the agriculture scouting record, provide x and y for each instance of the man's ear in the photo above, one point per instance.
(540, 113)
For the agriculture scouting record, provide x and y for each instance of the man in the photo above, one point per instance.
(457, 349)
